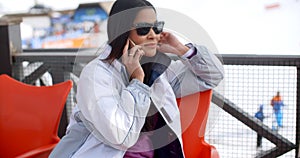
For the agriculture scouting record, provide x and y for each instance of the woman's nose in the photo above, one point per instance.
(151, 34)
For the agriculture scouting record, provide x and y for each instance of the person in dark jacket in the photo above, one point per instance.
(259, 115)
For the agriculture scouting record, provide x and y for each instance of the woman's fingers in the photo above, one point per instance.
(130, 59)
(135, 52)
(138, 54)
(128, 53)
(125, 50)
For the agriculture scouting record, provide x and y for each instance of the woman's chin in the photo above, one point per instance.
(150, 53)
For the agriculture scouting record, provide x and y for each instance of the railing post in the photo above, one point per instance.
(10, 42)
(58, 75)
(298, 113)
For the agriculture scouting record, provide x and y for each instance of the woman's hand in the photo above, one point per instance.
(131, 60)
(170, 44)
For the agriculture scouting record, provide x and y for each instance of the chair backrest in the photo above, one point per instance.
(29, 115)
(194, 112)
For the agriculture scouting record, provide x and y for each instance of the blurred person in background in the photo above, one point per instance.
(259, 115)
(277, 104)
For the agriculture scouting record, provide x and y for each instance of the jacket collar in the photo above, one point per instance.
(154, 66)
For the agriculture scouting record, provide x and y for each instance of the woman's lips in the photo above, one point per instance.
(150, 45)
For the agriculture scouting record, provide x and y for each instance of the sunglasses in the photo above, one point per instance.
(143, 29)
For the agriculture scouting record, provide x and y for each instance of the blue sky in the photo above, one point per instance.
(236, 26)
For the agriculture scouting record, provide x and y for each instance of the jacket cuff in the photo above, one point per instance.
(140, 86)
(190, 53)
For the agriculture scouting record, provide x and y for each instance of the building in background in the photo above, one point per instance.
(83, 27)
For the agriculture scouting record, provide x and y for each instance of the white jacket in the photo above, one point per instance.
(114, 109)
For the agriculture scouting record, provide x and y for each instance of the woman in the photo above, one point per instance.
(127, 96)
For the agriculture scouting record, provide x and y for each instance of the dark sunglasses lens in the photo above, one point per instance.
(157, 30)
(158, 27)
(143, 31)
(144, 28)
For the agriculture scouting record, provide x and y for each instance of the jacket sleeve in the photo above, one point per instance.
(114, 115)
(201, 72)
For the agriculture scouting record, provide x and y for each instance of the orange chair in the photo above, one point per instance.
(29, 117)
(194, 112)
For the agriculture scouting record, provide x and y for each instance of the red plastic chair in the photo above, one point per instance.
(194, 112)
(29, 117)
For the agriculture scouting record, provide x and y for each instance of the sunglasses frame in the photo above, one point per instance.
(143, 28)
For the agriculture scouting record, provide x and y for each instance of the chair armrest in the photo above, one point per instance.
(41, 152)
(210, 150)
(214, 153)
